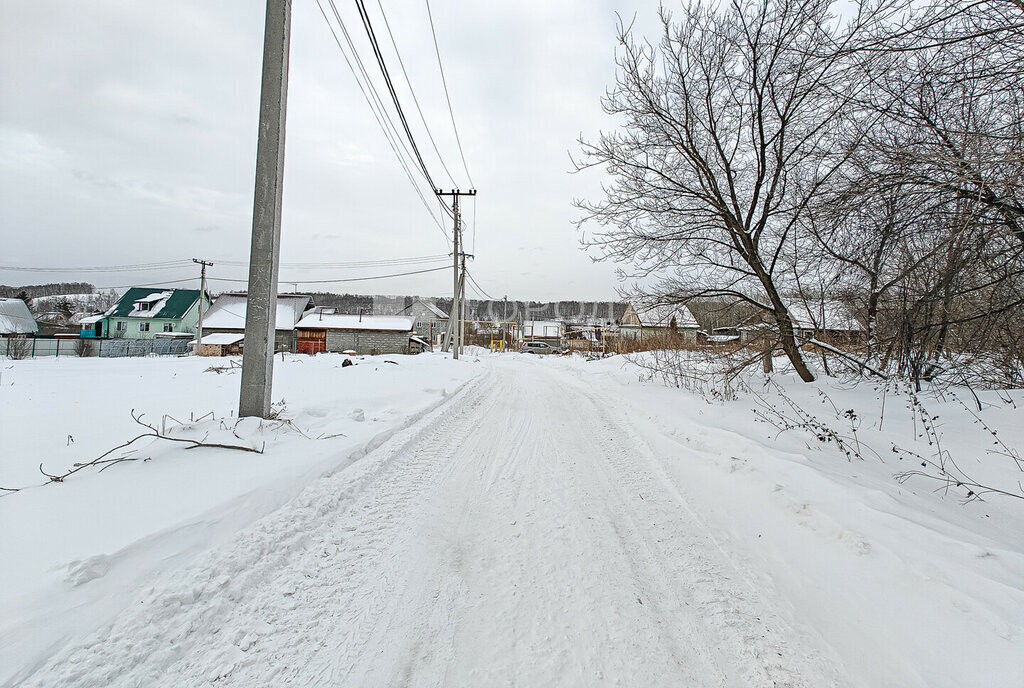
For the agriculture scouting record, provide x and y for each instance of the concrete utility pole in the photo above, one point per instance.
(457, 282)
(261, 302)
(455, 329)
(202, 292)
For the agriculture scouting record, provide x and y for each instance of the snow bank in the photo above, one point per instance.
(75, 552)
(912, 585)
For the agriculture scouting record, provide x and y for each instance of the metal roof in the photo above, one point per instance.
(229, 310)
(222, 338)
(172, 306)
(15, 317)
(661, 316)
(320, 320)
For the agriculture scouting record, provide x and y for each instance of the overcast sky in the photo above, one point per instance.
(128, 132)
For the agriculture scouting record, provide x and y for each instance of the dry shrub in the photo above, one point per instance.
(18, 348)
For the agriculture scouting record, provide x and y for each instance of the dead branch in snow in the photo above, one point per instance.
(106, 461)
(232, 366)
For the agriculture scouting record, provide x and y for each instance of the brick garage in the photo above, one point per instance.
(324, 329)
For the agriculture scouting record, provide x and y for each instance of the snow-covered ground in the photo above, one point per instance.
(499, 520)
(73, 554)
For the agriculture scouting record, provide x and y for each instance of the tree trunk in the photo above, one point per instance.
(790, 346)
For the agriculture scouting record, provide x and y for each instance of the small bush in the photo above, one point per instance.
(18, 348)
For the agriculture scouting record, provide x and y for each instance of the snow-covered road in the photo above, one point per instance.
(523, 534)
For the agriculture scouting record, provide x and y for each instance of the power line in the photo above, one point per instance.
(391, 89)
(444, 82)
(366, 279)
(151, 284)
(370, 102)
(351, 264)
(415, 100)
(479, 288)
(134, 267)
(284, 281)
(175, 264)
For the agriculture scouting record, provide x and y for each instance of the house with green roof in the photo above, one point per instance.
(143, 313)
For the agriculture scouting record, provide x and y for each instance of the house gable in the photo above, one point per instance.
(163, 304)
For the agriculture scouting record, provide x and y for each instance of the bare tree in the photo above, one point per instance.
(928, 214)
(729, 131)
(952, 104)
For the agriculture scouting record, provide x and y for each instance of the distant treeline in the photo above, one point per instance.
(53, 289)
(606, 312)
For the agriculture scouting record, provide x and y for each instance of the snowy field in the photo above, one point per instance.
(502, 520)
(76, 553)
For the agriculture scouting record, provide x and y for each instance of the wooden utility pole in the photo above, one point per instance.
(261, 301)
(202, 293)
(455, 328)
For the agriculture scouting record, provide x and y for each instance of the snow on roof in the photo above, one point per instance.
(15, 318)
(154, 302)
(229, 310)
(152, 298)
(661, 316)
(91, 319)
(320, 320)
(173, 304)
(823, 315)
(222, 338)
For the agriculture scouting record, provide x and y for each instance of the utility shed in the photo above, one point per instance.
(16, 319)
(324, 329)
(228, 312)
(221, 344)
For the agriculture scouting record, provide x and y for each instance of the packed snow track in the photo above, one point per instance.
(523, 534)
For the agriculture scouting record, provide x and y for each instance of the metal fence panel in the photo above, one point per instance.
(40, 347)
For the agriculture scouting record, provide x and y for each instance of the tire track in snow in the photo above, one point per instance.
(736, 618)
(522, 535)
(263, 611)
(576, 563)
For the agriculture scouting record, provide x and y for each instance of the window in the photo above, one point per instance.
(143, 327)
(168, 327)
(122, 326)
(144, 305)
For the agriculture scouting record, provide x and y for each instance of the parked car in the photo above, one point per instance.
(539, 348)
